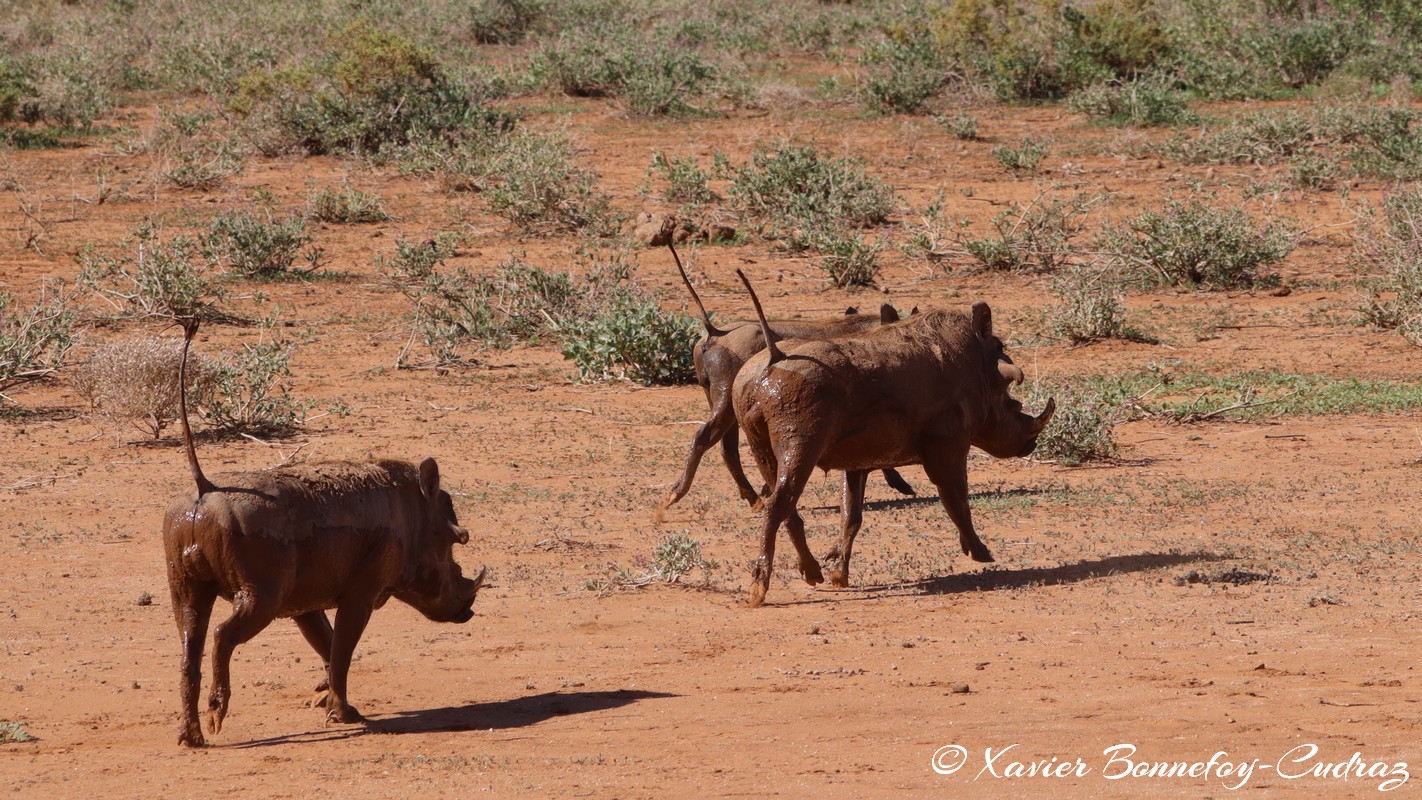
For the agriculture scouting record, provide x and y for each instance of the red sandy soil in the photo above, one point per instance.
(1245, 588)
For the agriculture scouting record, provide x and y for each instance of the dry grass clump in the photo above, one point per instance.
(135, 381)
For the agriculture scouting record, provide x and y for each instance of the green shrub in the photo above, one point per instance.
(631, 338)
(963, 126)
(1387, 246)
(1136, 102)
(903, 74)
(35, 340)
(250, 390)
(505, 21)
(1024, 158)
(153, 278)
(256, 246)
(541, 190)
(1195, 244)
(14, 732)
(1090, 307)
(350, 206)
(1036, 236)
(847, 258)
(794, 184)
(656, 76)
(686, 182)
(373, 89)
(1257, 138)
(1080, 430)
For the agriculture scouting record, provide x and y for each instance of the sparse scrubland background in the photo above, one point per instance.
(435, 228)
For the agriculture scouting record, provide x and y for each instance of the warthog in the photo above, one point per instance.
(921, 391)
(719, 356)
(295, 541)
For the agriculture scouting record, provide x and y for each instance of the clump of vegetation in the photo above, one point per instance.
(1388, 246)
(536, 185)
(607, 324)
(656, 76)
(149, 277)
(370, 90)
(1081, 430)
(1025, 158)
(251, 390)
(349, 206)
(35, 340)
(1090, 307)
(962, 125)
(673, 558)
(1037, 236)
(904, 72)
(256, 246)
(1198, 245)
(505, 21)
(1255, 138)
(14, 732)
(687, 183)
(794, 185)
(1143, 101)
(195, 155)
(135, 381)
(847, 258)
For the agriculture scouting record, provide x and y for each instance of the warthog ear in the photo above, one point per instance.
(913, 311)
(851, 311)
(429, 478)
(982, 319)
(887, 313)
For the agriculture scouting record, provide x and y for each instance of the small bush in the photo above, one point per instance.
(1388, 245)
(678, 555)
(193, 153)
(1258, 138)
(633, 339)
(416, 261)
(259, 247)
(1194, 244)
(14, 732)
(505, 21)
(686, 182)
(541, 190)
(1090, 307)
(1036, 236)
(371, 90)
(135, 381)
(903, 74)
(170, 279)
(794, 184)
(963, 126)
(847, 258)
(1023, 158)
(1136, 102)
(350, 206)
(657, 77)
(250, 392)
(1080, 430)
(34, 341)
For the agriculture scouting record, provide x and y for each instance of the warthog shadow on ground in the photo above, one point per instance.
(294, 542)
(719, 355)
(921, 391)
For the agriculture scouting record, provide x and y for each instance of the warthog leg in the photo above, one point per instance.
(351, 619)
(720, 427)
(316, 628)
(852, 513)
(251, 614)
(192, 610)
(809, 567)
(794, 471)
(949, 472)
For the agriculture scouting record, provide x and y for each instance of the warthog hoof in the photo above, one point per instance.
(344, 713)
(214, 721)
(660, 514)
(191, 736)
(756, 599)
(811, 573)
(838, 579)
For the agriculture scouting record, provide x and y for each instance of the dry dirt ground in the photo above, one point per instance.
(1226, 593)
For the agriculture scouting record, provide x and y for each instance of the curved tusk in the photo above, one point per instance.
(1011, 372)
(1046, 416)
(479, 579)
